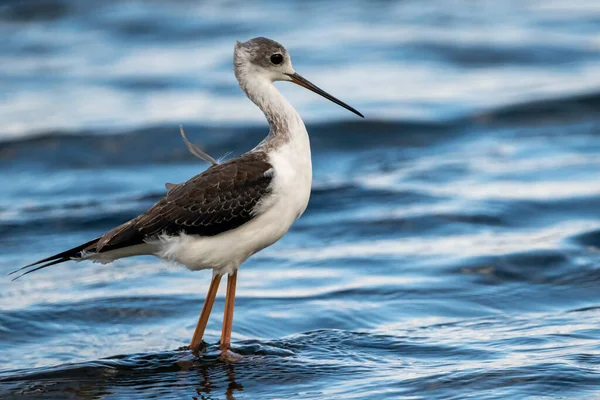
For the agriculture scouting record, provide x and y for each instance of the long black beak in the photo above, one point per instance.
(299, 80)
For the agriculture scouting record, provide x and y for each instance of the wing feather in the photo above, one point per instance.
(221, 198)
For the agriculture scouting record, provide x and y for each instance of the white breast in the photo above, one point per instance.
(293, 174)
(290, 191)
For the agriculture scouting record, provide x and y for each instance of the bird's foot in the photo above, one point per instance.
(199, 350)
(228, 355)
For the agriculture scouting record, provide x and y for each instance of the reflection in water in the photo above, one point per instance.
(233, 385)
(208, 374)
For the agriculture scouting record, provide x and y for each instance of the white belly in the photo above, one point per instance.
(290, 191)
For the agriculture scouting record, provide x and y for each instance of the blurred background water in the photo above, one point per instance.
(451, 248)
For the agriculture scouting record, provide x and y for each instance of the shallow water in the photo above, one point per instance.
(451, 247)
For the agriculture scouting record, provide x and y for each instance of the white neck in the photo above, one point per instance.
(284, 121)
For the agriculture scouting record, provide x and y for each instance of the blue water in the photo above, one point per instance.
(451, 248)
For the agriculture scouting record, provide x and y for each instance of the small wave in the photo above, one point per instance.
(474, 55)
(589, 239)
(405, 361)
(579, 106)
(162, 144)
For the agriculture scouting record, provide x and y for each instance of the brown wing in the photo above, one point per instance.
(220, 199)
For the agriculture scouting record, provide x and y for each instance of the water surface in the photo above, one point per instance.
(451, 247)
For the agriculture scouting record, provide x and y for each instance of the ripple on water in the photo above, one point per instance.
(515, 351)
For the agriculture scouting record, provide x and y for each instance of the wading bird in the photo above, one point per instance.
(219, 218)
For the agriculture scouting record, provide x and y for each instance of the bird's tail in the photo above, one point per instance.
(75, 252)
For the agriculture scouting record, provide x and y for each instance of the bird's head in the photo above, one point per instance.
(265, 59)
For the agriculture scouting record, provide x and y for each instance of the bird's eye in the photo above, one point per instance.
(277, 59)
